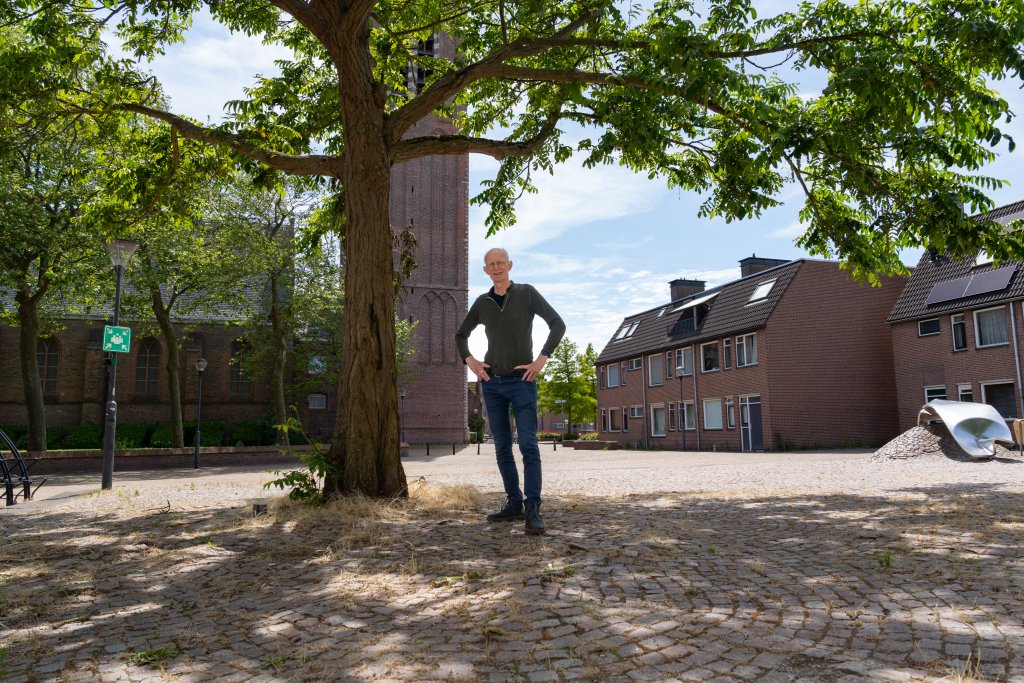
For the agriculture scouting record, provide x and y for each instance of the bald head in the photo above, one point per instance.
(495, 254)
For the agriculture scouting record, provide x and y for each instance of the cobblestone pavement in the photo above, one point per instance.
(657, 566)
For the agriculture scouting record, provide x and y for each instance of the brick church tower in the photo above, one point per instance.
(432, 194)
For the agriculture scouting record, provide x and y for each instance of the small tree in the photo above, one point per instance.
(565, 386)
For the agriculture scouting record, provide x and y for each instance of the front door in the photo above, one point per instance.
(751, 432)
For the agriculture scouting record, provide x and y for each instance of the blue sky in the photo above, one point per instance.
(599, 244)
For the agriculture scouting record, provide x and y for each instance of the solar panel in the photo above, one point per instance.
(990, 281)
(950, 289)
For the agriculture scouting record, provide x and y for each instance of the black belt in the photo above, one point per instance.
(510, 373)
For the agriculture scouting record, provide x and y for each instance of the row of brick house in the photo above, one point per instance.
(796, 354)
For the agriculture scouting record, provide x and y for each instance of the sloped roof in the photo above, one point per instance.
(913, 301)
(730, 312)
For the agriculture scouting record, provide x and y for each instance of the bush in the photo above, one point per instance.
(132, 435)
(549, 436)
(162, 436)
(587, 436)
(82, 437)
(255, 433)
(15, 432)
(571, 436)
(211, 434)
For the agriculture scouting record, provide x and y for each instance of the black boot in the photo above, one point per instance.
(511, 510)
(534, 523)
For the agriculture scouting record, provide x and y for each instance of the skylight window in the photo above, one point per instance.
(626, 331)
(983, 258)
(762, 290)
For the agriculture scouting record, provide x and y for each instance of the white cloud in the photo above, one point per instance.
(791, 231)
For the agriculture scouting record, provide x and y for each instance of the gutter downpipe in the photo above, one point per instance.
(643, 379)
(1016, 355)
(696, 414)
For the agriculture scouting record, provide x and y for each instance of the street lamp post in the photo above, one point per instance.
(200, 367)
(120, 253)
(401, 395)
(561, 411)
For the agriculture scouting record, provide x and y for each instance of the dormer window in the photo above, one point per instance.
(627, 331)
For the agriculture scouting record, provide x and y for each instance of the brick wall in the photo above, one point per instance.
(931, 361)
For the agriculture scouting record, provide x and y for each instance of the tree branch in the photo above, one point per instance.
(309, 165)
(415, 148)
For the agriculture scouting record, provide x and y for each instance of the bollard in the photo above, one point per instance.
(554, 445)
(428, 448)
(453, 448)
(478, 448)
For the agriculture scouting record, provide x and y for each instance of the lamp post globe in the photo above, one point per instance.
(200, 368)
(120, 252)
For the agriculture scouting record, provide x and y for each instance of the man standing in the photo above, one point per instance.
(508, 372)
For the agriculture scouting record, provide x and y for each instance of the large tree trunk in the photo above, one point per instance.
(280, 340)
(365, 448)
(163, 319)
(28, 338)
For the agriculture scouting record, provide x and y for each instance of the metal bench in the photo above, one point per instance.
(14, 470)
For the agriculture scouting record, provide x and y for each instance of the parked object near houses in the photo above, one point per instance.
(975, 426)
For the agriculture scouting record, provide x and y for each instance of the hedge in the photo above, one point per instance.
(82, 437)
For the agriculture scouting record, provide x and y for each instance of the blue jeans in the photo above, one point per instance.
(501, 393)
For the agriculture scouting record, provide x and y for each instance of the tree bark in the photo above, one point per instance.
(28, 338)
(365, 450)
(163, 320)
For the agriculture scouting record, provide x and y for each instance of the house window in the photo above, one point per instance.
(238, 379)
(558, 425)
(625, 419)
(671, 417)
(965, 393)
(656, 371)
(622, 373)
(926, 328)
(668, 365)
(762, 290)
(684, 360)
(990, 327)
(626, 331)
(604, 420)
(713, 413)
(636, 411)
(635, 363)
(147, 368)
(727, 353)
(730, 413)
(658, 420)
(688, 410)
(959, 331)
(613, 375)
(709, 356)
(46, 362)
(982, 259)
(317, 401)
(603, 385)
(746, 350)
(1001, 396)
(613, 422)
(932, 393)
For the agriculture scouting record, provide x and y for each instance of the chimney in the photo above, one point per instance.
(752, 264)
(680, 289)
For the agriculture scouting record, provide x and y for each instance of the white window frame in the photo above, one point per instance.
(612, 412)
(622, 374)
(748, 344)
(625, 419)
(317, 401)
(636, 363)
(921, 333)
(689, 412)
(952, 326)
(934, 389)
(683, 355)
(654, 407)
(671, 416)
(727, 354)
(655, 379)
(730, 412)
(668, 365)
(712, 407)
(965, 389)
(636, 412)
(1013, 385)
(608, 375)
(718, 366)
(604, 420)
(977, 328)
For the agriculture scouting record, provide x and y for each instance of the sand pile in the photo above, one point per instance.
(930, 441)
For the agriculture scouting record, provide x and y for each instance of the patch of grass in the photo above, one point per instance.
(884, 559)
(275, 662)
(155, 659)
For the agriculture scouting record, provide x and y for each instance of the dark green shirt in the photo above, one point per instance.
(509, 327)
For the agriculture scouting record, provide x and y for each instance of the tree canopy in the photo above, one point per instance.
(889, 154)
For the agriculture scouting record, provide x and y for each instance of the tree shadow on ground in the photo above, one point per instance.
(917, 584)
